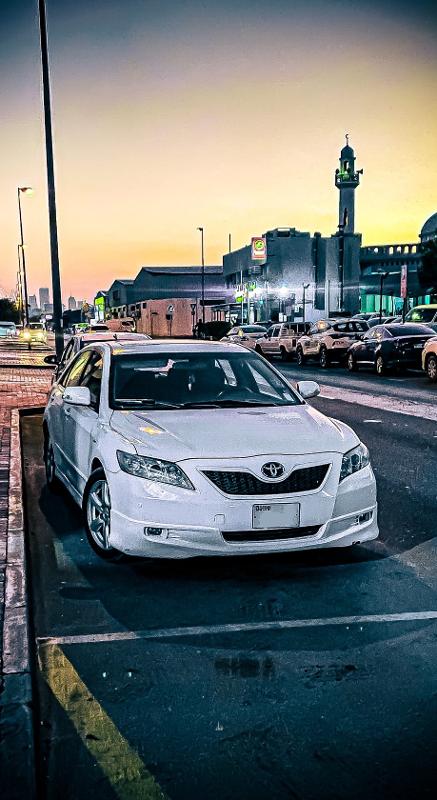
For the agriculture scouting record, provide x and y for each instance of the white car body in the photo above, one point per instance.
(246, 335)
(150, 518)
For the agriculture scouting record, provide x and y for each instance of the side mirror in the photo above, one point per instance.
(308, 389)
(77, 396)
(51, 359)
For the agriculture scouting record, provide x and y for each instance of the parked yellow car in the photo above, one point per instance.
(429, 359)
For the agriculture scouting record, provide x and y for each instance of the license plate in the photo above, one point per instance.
(418, 346)
(276, 515)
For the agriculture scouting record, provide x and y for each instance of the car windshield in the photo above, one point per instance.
(196, 380)
(408, 330)
(421, 315)
(253, 329)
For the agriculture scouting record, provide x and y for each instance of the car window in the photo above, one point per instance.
(92, 377)
(66, 355)
(370, 334)
(73, 374)
(313, 330)
(322, 326)
(360, 327)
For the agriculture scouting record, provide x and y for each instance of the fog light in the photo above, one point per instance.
(363, 518)
(162, 532)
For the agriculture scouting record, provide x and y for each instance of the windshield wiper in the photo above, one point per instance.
(227, 404)
(147, 402)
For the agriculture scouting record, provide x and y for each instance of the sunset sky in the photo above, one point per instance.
(231, 115)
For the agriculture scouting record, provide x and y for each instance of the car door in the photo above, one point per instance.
(269, 343)
(58, 410)
(365, 351)
(81, 423)
(66, 356)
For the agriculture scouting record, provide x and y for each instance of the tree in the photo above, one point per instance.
(8, 310)
(427, 269)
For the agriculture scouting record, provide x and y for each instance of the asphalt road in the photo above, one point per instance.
(302, 676)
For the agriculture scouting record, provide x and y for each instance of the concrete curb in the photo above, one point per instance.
(17, 752)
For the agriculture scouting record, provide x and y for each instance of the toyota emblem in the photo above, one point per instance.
(272, 470)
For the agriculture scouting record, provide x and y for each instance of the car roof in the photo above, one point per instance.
(102, 336)
(175, 346)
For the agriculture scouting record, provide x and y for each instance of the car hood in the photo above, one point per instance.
(232, 433)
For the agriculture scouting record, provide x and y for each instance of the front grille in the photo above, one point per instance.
(244, 483)
(269, 536)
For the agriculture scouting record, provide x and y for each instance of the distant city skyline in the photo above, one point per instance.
(229, 116)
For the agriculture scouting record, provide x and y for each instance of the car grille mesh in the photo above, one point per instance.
(244, 483)
(269, 535)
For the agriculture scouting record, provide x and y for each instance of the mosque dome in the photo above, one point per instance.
(347, 152)
(429, 230)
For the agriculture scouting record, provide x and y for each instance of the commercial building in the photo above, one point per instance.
(71, 303)
(44, 297)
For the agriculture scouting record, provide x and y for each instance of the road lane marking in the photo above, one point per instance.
(382, 402)
(119, 762)
(243, 627)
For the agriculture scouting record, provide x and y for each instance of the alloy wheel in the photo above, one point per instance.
(380, 365)
(323, 358)
(431, 368)
(350, 363)
(99, 513)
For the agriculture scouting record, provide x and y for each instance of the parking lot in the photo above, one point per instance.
(290, 676)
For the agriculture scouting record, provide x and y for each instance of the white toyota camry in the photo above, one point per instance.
(178, 449)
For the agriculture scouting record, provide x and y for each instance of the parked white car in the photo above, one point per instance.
(178, 449)
(245, 335)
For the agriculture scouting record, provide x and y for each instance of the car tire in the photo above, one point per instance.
(300, 358)
(97, 516)
(52, 480)
(380, 366)
(284, 355)
(324, 358)
(351, 363)
(431, 368)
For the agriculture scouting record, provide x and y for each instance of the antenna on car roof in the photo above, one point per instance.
(115, 337)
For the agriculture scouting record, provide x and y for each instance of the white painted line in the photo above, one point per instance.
(243, 627)
(372, 420)
(396, 405)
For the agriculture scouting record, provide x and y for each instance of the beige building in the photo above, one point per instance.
(171, 317)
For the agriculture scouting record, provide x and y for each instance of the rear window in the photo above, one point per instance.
(253, 329)
(409, 330)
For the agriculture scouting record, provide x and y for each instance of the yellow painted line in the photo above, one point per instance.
(119, 762)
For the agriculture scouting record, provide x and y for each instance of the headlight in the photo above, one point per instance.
(354, 460)
(154, 469)
(26, 335)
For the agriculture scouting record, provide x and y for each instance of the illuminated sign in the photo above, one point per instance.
(404, 280)
(259, 248)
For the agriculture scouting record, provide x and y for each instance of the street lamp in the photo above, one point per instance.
(23, 190)
(203, 275)
(382, 276)
(305, 286)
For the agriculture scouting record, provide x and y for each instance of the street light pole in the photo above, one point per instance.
(20, 286)
(56, 280)
(23, 256)
(203, 275)
(305, 287)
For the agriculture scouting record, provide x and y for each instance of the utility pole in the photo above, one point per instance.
(56, 280)
(203, 276)
(230, 243)
(305, 286)
(23, 256)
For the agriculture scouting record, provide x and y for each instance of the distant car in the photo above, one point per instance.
(366, 315)
(81, 340)
(328, 340)
(390, 346)
(429, 359)
(8, 330)
(281, 340)
(34, 333)
(246, 335)
(425, 313)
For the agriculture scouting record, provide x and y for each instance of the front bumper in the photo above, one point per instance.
(189, 524)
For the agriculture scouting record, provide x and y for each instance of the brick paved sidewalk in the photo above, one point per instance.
(19, 388)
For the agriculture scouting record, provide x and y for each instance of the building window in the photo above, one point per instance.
(144, 305)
